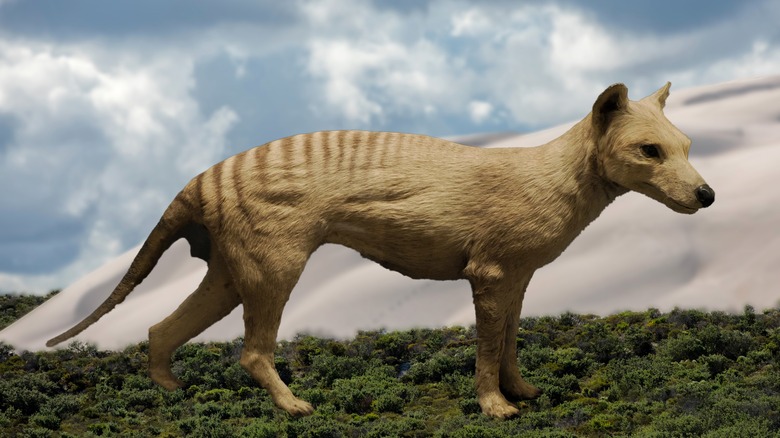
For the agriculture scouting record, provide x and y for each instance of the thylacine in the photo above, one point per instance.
(422, 206)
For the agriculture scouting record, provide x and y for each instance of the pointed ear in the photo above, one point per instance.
(611, 102)
(660, 95)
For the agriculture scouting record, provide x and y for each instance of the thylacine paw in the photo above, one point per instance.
(496, 406)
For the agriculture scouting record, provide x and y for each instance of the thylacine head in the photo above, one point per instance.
(641, 150)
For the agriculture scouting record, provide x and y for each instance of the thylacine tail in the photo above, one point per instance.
(176, 217)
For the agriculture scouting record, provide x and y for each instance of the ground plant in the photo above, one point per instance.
(646, 374)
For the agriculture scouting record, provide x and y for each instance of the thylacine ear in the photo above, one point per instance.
(660, 95)
(611, 102)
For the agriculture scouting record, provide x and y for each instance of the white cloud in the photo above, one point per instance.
(542, 63)
(763, 59)
(238, 57)
(105, 144)
(578, 45)
(343, 67)
(470, 22)
(378, 63)
(480, 111)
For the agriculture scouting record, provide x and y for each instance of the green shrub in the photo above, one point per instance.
(603, 345)
(469, 406)
(330, 368)
(308, 348)
(716, 363)
(748, 428)
(217, 395)
(460, 385)
(396, 427)
(46, 420)
(206, 427)
(571, 360)
(103, 429)
(395, 347)
(646, 374)
(666, 425)
(442, 363)
(260, 429)
(143, 399)
(476, 431)
(319, 425)
(683, 347)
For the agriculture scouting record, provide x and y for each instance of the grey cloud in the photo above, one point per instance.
(94, 154)
(85, 18)
(655, 16)
(8, 123)
(645, 17)
(660, 15)
(720, 94)
(36, 240)
(272, 97)
(403, 6)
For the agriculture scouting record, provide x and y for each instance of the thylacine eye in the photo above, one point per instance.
(650, 150)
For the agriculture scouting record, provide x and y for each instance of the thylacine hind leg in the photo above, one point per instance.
(265, 287)
(214, 299)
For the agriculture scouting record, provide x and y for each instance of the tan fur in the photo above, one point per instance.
(422, 206)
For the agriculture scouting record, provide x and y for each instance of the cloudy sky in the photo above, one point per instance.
(108, 108)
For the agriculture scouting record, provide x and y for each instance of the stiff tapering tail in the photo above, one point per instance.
(167, 231)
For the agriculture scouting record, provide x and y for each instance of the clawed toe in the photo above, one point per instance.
(497, 406)
(296, 407)
(167, 380)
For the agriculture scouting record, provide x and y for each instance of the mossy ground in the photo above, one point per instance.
(682, 373)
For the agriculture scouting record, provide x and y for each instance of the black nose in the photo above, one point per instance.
(705, 195)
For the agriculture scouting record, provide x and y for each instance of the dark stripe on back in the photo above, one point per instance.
(287, 198)
(371, 149)
(285, 145)
(340, 136)
(181, 198)
(322, 144)
(261, 163)
(353, 148)
(385, 148)
(199, 189)
(238, 167)
(307, 153)
(218, 197)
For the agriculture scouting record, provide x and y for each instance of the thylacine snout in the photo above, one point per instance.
(642, 151)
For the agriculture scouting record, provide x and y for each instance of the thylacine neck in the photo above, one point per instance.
(543, 196)
(574, 160)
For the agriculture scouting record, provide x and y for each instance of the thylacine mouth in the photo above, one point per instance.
(686, 208)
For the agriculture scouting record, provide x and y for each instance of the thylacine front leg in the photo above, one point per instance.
(493, 303)
(511, 382)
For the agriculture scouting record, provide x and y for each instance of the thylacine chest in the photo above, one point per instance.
(536, 230)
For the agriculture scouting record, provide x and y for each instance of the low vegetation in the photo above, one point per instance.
(646, 374)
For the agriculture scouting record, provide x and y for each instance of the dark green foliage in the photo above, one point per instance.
(376, 391)
(645, 374)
